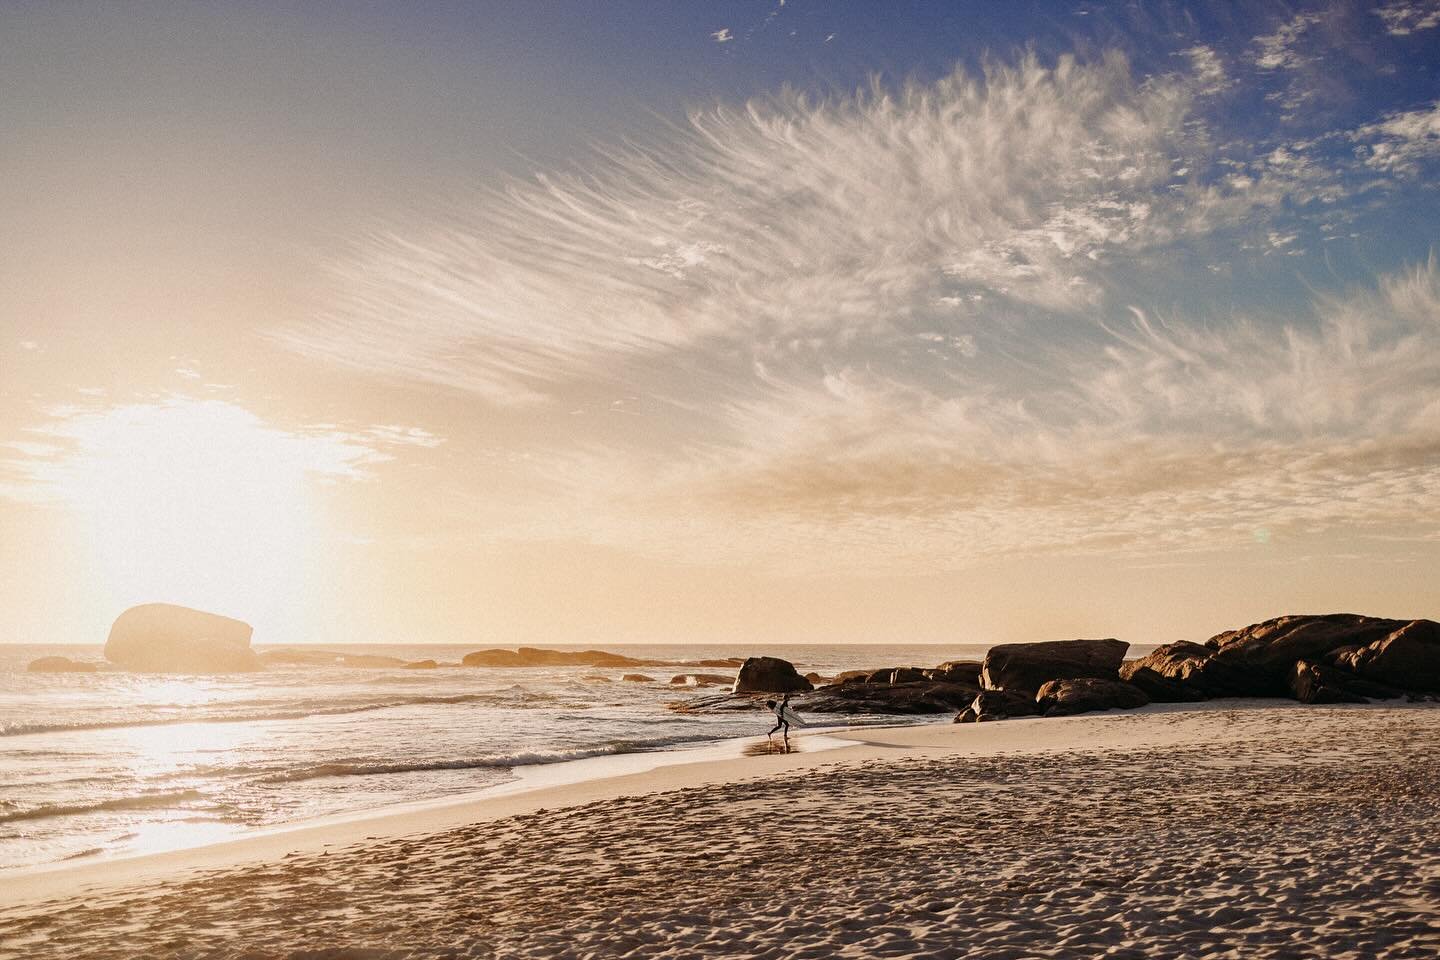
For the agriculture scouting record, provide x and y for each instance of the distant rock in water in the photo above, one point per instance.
(769, 675)
(165, 638)
(535, 657)
(61, 665)
(1025, 667)
(637, 678)
(421, 665)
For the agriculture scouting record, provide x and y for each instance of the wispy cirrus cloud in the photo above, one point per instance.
(786, 218)
(891, 329)
(1172, 436)
(1404, 17)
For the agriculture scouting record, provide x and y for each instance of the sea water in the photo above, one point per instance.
(94, 765)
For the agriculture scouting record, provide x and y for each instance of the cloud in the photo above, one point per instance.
(1404, 17)
(787, 218)
(1163, 437)
(1402, 141)
(1280, 50)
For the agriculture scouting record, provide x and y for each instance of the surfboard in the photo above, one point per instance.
(791, 717)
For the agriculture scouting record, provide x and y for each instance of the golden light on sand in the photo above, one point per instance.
(196, 501)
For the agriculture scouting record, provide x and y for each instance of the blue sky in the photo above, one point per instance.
(831, 321)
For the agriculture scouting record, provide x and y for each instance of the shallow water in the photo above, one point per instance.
(99, 764)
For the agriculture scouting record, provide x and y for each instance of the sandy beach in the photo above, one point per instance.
(1229, 829)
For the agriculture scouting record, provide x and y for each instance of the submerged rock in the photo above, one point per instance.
(700, 680)
(61, 665)
(1060, 698)
(637, 678)
(166, 638)
(1024, 667)
(421, 665)
(769, 675)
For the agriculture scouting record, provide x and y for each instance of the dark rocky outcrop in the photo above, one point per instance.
(1258, 658)
(850, 676)
(1180, 673)
(165, 638)
(769, 675)
(915, 697)
(956, 671)
(908, 675)
(1408, 657)
(1002, 705)
(1024, 667)
(1060, 698)
(1317, 683)
(61, 665)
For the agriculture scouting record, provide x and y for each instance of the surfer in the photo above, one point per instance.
(783, 717)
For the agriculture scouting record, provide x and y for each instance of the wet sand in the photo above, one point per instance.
(1247, 829)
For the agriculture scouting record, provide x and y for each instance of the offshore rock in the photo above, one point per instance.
(166, 638)
(61, 665)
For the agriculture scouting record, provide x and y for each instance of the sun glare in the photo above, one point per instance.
(197, 502)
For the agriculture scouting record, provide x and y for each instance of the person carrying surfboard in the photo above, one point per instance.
(784, 716)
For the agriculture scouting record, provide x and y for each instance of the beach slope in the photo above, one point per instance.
(1226, 829)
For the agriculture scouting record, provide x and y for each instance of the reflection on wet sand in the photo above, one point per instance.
(764, 748)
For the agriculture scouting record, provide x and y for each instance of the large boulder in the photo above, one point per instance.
(165, 638)
(1024, 667)
(1317, 683)
(1002, 705)
(61, 665)
(1060, 698)
(1259, 658)
(769, 675)
(1408, 657)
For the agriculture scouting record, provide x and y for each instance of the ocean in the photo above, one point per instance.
(96, 765)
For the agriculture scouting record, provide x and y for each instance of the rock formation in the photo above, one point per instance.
(1060, 698)
(61, 665)
(165, 638)
(769, 675)
(1316, 683)
(1408, 657)
(1000, 705)
(1025, 667)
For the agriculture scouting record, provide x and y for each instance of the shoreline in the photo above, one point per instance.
(595, 779)
(1257, 829)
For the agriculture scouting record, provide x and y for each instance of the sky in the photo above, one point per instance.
(734, 322)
